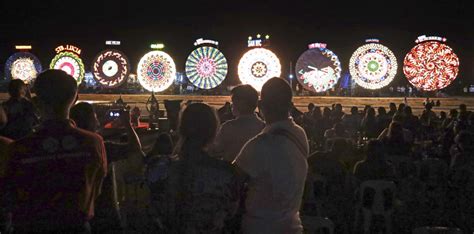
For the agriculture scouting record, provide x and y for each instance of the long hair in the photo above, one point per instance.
(197, 128)
(395, 133)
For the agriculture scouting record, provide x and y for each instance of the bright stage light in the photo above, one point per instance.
(206, 67)
(111, 68)
(24, 66)
(257, 66)
(373, 65)
(158, 46)
(156, 71)
(318, 69)
(23, 47)
(68, 60)
(431, 65)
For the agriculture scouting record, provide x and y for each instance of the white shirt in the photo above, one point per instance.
(234, 134)
(277, 168)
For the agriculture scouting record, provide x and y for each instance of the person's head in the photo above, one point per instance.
(381, 110)
(317, 112)
(395, 132)
(326, 112)
(354, 110)
(310, 107)
(84, 116)
(244, 100)
(392, 106)
(463, 108)
(275, 100)
(401, 106)
(338, 107)
(198, 125)
(366, 107)
(375, 150)
(453, 113)
(56, 92)
(370, 113)
(16, 89)
(407, 111)
(163, 145)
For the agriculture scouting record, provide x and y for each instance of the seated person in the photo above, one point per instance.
(374, 167)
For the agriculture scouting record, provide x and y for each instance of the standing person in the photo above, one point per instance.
(199, 193)
(19, 110)
(55, 174)
(276, 166)
(233, 134)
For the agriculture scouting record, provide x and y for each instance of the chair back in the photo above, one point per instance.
(378, 196)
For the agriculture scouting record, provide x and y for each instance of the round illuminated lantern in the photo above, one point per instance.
(373, 65)
(156, 71)
(71, 63)
(257, 66)
(318, 69)
(206, 67)
(431, 64)
(111, 68)
(24, 66)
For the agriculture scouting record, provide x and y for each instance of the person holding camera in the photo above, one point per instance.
(124, 160)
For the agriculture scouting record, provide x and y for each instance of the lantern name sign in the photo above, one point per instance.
(68, 48)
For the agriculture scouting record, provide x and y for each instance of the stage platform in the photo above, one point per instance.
(301, 102)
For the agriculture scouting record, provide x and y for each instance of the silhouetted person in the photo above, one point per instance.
(54, 175)
(110, 203)
(369, 124)
(393, 109)
(374, 167)
(233, 134)
(275, 163)
(352, 121)
(198, 193)
(20, 112)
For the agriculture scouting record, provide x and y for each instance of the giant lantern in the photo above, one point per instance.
(206, 66)
(111, 67)
(318, 68)
(373, 65)
(68, 59)
(156, 70)
(258, 64)
(23, 65)
(431, 64)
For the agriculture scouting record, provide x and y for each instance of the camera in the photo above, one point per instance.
(114, 113)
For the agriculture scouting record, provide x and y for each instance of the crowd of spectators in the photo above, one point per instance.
(257, 165)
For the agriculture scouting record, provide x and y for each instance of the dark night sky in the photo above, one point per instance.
(291, 24)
